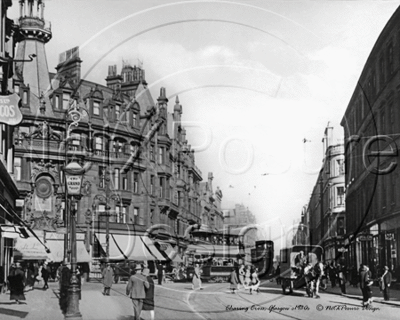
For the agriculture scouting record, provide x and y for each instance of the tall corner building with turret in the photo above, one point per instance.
(142, 191)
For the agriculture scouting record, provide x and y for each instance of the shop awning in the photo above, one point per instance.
(56, 246)
(131, 247)
(13, 232)
(214, 250)
(29, 249)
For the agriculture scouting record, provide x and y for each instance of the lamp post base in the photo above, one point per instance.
(73, 312)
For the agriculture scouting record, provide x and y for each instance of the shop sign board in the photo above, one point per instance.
(74, 184)
(9, 110)
(365, 237)
(389, 236)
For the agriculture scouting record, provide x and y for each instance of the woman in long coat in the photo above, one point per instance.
(108, 279)
(16, 280)
(234, 280)
(196, 281)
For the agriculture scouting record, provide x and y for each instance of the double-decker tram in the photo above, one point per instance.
(262, 257)
(219, 252)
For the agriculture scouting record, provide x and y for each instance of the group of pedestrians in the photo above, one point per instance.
(246, 277)
(140, 289)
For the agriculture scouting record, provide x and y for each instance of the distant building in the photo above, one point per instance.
(323, 218)
(239, 216)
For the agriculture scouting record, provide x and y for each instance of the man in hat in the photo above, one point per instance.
(108, 278)
(45, 275)
(136, 290)
(385, 281)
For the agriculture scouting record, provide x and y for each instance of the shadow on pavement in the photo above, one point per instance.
(127, 318)
(16, 313)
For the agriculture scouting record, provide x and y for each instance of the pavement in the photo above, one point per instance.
(44, 304)
(355, 293)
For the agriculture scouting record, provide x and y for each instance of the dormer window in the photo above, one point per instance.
(117, 112)
(96, 108)
(66, 97)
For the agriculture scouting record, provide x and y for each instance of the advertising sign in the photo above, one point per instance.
(9, 110)
(74, 185)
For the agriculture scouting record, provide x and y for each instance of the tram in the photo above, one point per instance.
(219, 252)
(262, 257)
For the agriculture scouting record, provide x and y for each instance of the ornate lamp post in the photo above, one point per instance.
(73, 180)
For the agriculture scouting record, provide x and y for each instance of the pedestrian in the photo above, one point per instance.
(135, 289)
(45, 275)
(196, 280)
(30, 277)
(332, 274)
(59, 272)
(108, 278)
(234, 281)
(160, 273)
(365, 285)
(247, 277)
(278, 274)
(148, 302)
(65, 281)
(2, 283)
(255, 281)
(385, 281)
(16, 280)
(342, 278)
(318, 270)
(241, 275)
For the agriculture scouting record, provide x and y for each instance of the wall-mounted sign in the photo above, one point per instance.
(365, 237)
(74, 184)
(9, 110)
(389, 236)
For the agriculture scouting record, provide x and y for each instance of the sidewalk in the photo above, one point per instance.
(355, 293)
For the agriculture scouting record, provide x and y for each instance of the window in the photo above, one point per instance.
(340, 226)
(152, 152)
(151, 184)
(75, 142)
(16, 89)
(162, 187)
(102, 177)
(17, 168)
(161, 155)
(340, 196)
(134, 119)
(125, 183)
(135, 215)
(96, 108)
(167, 190)
(136, 182)
(116, 179)
(340, 164)
(57, 101)
(101, 212)
(117, 146)
(390, 58)
(121, 214)
(66, 97)
(25, 97)
(117, 112)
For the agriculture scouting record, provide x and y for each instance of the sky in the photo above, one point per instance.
(255, 79)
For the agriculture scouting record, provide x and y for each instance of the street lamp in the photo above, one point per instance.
(73, 181)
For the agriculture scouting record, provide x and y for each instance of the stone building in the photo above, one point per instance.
(141, 184)
(371, 124)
